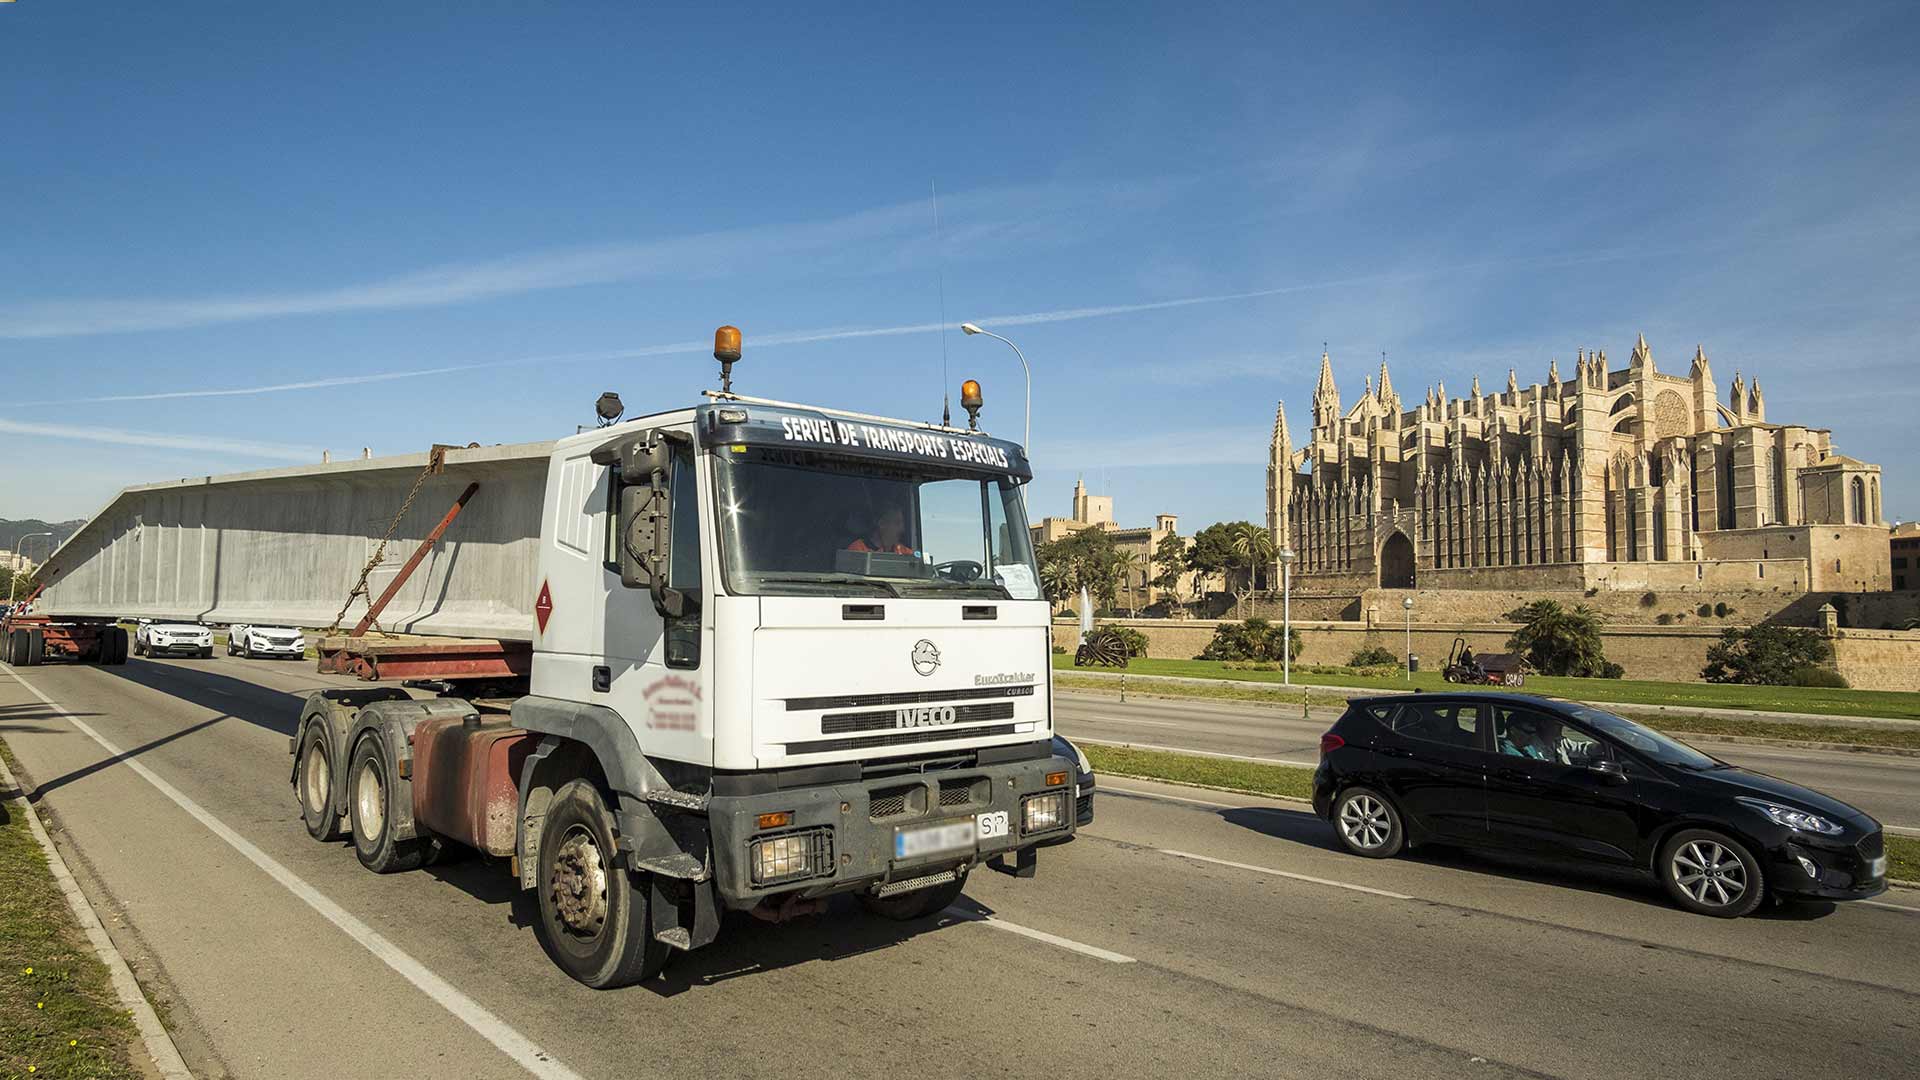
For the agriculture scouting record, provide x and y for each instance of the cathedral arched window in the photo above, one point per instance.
(1859, 501)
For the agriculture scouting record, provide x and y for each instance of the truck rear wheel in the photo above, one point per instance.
(113, 645)
(593, 915)
(318, 810)
(918, 904)
(370, 793)
(16, 644)
(36, 647)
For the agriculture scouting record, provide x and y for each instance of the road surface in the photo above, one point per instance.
(1183, 934)
(1884, 785)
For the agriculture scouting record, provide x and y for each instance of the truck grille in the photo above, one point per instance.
(893, 802)
(898, 738)
(964, 792)
(843, 723)
(909, 697)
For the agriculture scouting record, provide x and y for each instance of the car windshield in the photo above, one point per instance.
(1645, 740)
(801, 522)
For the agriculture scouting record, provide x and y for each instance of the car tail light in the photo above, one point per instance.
(1330, 742)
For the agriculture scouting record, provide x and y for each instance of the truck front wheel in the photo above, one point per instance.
(593, 915)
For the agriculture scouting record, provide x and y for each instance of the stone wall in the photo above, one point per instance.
(1879, 659)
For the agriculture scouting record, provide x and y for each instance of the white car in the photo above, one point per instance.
(172, 639)
(252, 641)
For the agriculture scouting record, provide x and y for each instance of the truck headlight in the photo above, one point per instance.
(1044, 812)
(792, 857)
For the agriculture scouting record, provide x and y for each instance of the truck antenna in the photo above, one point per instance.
(940, 269)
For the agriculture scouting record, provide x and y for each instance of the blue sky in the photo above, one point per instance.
(1170, 208)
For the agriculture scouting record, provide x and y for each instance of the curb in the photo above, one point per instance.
(1624, 707)
(159, 1044)
(1202, 787)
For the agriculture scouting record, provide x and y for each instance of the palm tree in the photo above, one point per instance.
(1127, 564)
(1057, 578)
(1255, 548)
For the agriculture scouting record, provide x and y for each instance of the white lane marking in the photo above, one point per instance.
(1903, 830)
(1282, 873)
(1129, 723)
(166, 1056)
(1896, 907)
(1040, 935)
(1202, 753)
(489, 1027)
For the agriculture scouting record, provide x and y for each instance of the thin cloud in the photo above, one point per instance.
(160, 440)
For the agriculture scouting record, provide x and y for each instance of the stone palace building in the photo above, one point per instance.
(1613, 479)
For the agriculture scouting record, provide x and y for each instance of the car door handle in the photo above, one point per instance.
(1513, 776)
(1396, 751)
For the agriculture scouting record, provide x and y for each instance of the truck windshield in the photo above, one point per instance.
(805, 523)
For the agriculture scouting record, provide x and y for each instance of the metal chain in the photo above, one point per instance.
(435, 462)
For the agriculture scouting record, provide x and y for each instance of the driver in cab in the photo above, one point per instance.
(887, 535)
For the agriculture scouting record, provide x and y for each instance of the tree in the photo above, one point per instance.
(1127, 564)
(1766, 656)
(1083, 560)
(1254, 639)
(18, 590)
(1170, 565)
(1556, 641)
(1212, 552)
(1253, 547)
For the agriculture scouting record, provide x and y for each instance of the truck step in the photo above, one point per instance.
(688, 802)
(675, 936)
(677, 865)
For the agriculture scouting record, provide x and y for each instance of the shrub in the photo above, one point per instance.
(1556, 641)
(1136, 641)
(1610, 670)
(1373, 656)
(1705, 610)
(1815, 675)
(1665, 618)
(1059, 649)
(1254, 639)
(1649, 598)
(1764, 655)
(1720, 610)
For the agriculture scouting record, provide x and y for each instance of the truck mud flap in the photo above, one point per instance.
(685, 914)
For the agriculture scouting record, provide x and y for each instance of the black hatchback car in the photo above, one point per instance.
(1559, 779)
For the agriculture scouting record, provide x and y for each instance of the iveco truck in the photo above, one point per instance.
(780, 652)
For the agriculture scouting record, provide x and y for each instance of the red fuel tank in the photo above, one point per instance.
(466, 780)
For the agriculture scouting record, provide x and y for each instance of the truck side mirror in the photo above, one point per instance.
(646, 525)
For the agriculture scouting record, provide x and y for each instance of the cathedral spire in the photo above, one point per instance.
(1756, 405)
(1699, 362)
(1553, 372)
(1387, 396)
(1476, 386)
(1642, 356)
(1739, 395)
(1326, 396)
(1513, 382)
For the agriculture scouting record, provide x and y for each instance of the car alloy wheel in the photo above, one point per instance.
(1710, 873)
(1365, 822)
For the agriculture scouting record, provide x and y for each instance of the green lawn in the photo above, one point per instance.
(1903, 853)
(58, 1012)
(1802, 699)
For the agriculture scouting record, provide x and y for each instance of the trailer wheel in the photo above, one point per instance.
(917, 904)
(16, 647)
(36, 647)
(370, 810)
(113, 645)
(593, 915)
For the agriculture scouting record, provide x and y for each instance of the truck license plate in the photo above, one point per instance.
(932, 840)
(992, 824)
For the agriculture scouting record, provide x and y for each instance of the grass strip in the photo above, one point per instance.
(1903, 858)
(1903, 853)
(59, 1015)
(1803, 699)
(1251, 776)
(1791, 731)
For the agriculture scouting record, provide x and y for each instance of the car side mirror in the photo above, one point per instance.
(1609, 771)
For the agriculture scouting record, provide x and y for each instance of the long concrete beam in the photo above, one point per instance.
(284, 546)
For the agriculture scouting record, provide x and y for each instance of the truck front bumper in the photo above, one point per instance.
(846, 836)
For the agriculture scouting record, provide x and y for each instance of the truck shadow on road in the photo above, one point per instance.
(747, 946)
(262, 706)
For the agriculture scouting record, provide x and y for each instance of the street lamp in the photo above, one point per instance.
(1407, 602)
(1286, 616)
(970, 329)
(13, 577)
